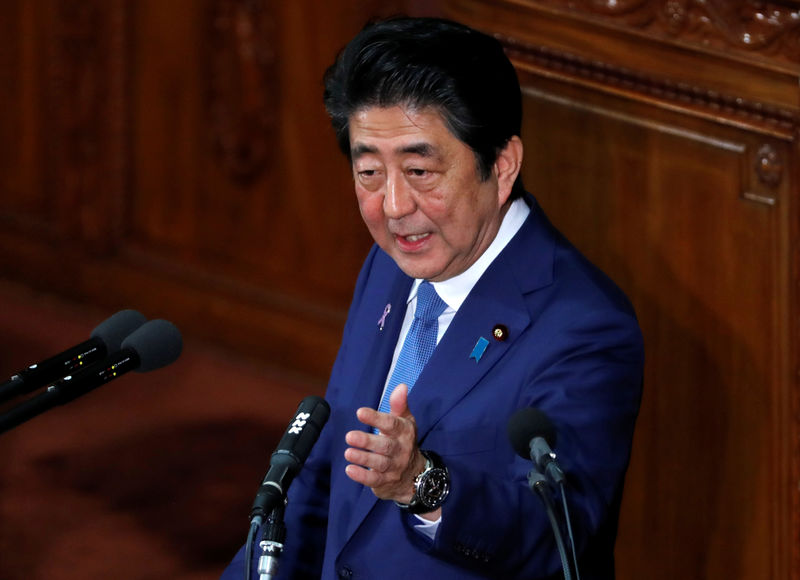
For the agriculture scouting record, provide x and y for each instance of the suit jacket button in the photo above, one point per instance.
(345, 573)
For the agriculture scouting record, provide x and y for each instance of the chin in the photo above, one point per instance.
(416, 271)
(412, 269)
(417, 266)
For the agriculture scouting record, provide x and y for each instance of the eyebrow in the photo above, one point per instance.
(421, 149)
(362, 149)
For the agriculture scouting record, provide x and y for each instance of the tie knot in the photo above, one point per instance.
(429, 305)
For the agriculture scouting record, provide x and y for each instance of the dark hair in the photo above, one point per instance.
(430, 62)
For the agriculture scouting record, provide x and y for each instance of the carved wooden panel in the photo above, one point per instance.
(661, 137)
(19, 135)
(62, 145)
(663, 205)
(241, 108)
(241, 191)
(86, 94)
(770, 29)
(175, 157)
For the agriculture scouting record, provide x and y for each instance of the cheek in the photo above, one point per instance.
(441, 212)
(436, 205)
(370, 205)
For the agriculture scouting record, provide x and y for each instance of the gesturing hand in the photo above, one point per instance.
(389, 461)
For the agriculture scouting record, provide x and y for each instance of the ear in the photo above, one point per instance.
(507, 167)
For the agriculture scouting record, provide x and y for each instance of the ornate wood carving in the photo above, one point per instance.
(771, 28)
(769, 166)
(764, 175)
(682, 94)
(87, 119)
(241, 101)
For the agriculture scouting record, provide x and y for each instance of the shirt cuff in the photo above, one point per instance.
(426, 527)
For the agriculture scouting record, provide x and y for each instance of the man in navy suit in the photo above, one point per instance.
(429, 114)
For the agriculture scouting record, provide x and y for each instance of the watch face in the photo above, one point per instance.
(434, 487)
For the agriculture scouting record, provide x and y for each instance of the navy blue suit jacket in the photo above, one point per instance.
(573, 350)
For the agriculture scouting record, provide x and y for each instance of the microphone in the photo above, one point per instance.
(290, 455)
(533, 435)
(106, 338)
(153, 345)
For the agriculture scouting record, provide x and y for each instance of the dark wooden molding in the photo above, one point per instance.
(771, 29)
(609, 77)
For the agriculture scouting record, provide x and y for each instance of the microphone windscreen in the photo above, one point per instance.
(158, 343)
(302, 433)
(116, 328)
(526, 424)
(318, 410)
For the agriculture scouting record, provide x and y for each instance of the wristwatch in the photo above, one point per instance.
(430, 487)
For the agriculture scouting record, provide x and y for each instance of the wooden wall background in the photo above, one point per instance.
(661, 136)
(174, 157)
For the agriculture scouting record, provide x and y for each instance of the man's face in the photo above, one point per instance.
(420, 193)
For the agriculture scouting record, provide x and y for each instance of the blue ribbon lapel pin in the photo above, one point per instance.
(480, 348)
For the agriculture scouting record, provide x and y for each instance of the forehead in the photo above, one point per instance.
(399, 130)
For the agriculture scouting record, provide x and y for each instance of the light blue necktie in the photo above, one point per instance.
(419, 344)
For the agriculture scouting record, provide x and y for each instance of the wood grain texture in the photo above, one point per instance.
(176, 157)
(669, 156)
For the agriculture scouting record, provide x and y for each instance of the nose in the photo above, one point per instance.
(398, 200)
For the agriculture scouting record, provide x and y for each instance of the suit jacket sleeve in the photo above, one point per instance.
(587, 379)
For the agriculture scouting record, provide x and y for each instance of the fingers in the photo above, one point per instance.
(383, 485)
(388, 423)
(386, 461)
(372, 443)
(369, 460)
(386, 476)
(383, 472)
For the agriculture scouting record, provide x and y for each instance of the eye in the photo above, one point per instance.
(369, 178)
(366, 172)
(417, 172)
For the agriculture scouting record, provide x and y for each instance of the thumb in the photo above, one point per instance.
(398, 401)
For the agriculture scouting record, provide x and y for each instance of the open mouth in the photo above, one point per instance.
(412, 242)
(415, 237)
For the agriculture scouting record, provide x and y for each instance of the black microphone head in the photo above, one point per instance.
(526, 424)
(302, 433)
(116, 328)
(158, 343)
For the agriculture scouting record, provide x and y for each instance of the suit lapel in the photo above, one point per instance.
(376, 344)
(377, 347)
(454, 370)
(498, 298)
